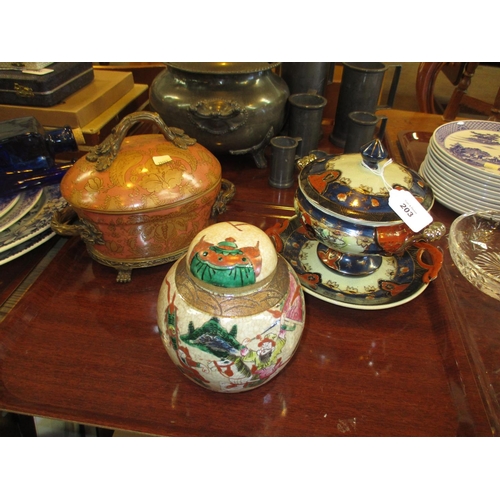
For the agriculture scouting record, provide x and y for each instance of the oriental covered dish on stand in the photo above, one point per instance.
(347, 244)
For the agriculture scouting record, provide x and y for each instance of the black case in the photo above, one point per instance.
(25, 89)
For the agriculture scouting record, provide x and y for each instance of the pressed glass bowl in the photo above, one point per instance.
(474, 241)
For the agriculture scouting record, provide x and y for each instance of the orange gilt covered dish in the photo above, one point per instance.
(141, 199)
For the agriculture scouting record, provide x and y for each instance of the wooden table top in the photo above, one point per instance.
(80, 347)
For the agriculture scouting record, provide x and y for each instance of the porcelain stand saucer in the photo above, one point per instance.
(395, 280)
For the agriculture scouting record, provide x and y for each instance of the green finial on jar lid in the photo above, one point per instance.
(244, 255)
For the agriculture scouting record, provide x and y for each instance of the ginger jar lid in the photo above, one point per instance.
(232, 255)
(356, 186)
(139, 173)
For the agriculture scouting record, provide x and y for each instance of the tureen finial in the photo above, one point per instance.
(372, 153)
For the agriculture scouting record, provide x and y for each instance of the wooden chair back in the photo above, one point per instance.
(460, 74)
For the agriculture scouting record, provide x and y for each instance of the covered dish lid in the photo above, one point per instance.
(142, 172)
(232, 255)
(356, 186)
(224, 68)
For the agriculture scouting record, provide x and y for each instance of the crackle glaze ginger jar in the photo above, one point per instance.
(231, 311)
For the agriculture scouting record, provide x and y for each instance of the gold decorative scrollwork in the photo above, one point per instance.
(231, 303)
(226, 194)
(305, 160)
(105, 153)
(89, 233)
(23, 91)
(125, 268)
(61, 224)
(218, 116)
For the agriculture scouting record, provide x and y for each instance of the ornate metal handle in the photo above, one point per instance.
(104, 154)
(218, 116)
(60, 222)
(314, 156)
(226, 194)
(61, 225)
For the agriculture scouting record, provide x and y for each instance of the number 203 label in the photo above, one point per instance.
(409, 209)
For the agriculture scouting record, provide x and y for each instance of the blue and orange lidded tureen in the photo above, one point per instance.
(343, 201)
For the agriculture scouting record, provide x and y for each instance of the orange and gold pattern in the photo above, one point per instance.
(146, 207)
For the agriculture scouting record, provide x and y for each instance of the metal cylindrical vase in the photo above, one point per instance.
(306, 114)
(361, 130)
(360, 91)
(283, 161)
(307, 77)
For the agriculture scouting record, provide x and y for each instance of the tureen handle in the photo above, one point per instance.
(104, 154)
(436, 257)
(433, 232)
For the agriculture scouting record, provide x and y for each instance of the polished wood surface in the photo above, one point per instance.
(81, 347)
(16, 271)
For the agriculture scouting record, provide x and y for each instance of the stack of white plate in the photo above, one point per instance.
(25, 220)
(462, 165)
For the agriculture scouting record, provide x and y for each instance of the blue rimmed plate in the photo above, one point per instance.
(474, 143)
(26, 201)
(36, 221)
(26, 247)
(7, 202)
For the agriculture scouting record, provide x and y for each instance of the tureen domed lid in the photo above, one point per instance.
(139, 173)
(356, 186)
(232, 255)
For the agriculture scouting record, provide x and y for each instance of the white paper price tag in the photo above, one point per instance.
(160, 160)
(412, 213)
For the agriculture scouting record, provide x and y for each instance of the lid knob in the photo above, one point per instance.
(372, 153)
